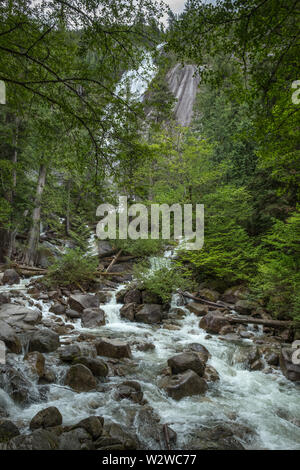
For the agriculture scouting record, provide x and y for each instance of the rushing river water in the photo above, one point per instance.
(266, 403)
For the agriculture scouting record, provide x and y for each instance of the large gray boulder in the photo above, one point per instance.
(133, 296)
(93, 425)
(98, 367)
(40, 439)
(46, 418)
(128, 311)
(8, 430)
(92, 318)
(20, 317)
(113, 348)
(186, 361)
(213, 322)
(80, 378)
(288, 366)
(184, 385)
(44, 341)
(79, 302)
(9, 337)
(149, 313)
(10, 277)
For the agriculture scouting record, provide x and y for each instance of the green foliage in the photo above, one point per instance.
(140, 247)
(73, 268)
(163, 281)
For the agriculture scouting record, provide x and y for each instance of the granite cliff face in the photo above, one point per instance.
(183, 83)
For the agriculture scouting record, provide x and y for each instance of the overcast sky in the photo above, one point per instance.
(176, 5)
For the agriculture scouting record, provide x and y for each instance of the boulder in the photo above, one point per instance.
(245, 307)
(186, 361)
(146, 346)
(46, 418)
(184, 385)
(131, 390)
(10, 277)
(4, 298)
(209, 294)
(113, 348)
(272, 358)
(10, 339)
(149, 313)
(128, 311)
(69, 353)
(288, 367)
(80, 378)
(79, 302)
(8, 430)
(40, 439)
(210, 374)
(151, 431)
(150, 298)
(98, 367)
(72, 313)
(219, 437)
(36, 362)
(16, 384)
(76, 439)
(93, 425)
(200, 349)
(198, 309)
(133, 296)
(44, 341)
(92, 318)
(213, 322)
(58, 308)
(20, 317)
(116, 437)
(104, 296)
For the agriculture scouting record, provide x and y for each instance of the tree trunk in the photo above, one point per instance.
(34, 233)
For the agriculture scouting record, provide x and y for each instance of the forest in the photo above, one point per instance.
(111, 98)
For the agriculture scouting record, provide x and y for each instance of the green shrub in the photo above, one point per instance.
(74, 267)
(140, 247)
(163, 281)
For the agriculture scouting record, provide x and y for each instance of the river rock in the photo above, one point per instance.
(113, 348)
(44, 341)
(115, 437)
(150, 430)
(92, 318)
(10, 277)
(201, 350)
(98, 367)
(233, 294)
(216, 438)
(8, 430)
(41, 439)
(272, 358)
(289, 369)
(8, 336)
(79, 302)
(58, 309)
(133, 296)
(209, 294)
(145, 346)
(93, 425)
(198, 309)
(16, 384)
(46, 418)
(184, 385)
(69, 353)
(4, 298)
(72, 314)
(149, 313)
(213, 322)
(186, 361)
(76, 439)
(20, 317)
(150, 298)
(36, 362)
(131, 390)
(245, 307)
(80, 378)
(210, 374)
(128, 311)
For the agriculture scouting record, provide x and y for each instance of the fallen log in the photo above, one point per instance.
(115, 259)
(260, 321)
(204, 301)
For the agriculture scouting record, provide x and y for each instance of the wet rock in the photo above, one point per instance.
(92, 318)
(36, 362)
(14, 382)
(4, 298)
(115, 437)
(133, 296)
(272, 359)
(209, 294)
(113, 348)
(76, 439)
(186, 361)
(210, 374)
(120, 296)
(245, 307)
(41, 439)
(128, 311)
(227, 329)
(58, 309)
(257, 365)
(20, 317)
(150, 298)
(149, 313)
(69, 353)
(217, 438)
(46, 418)
(44, 341)
(184, 385)
(213, 322)
(48, 377)
(198, 309)
(147, 346)
(93, 425)
(8, 336)
(104, 296)
(72, 313)
(80, 378)
(131, 390)
(104, 247)
(10, 277)
(79, 302)
(151, 431)
(233, 294)
(98, 367)
(290, 369)
(8, 430)
(171, 327)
